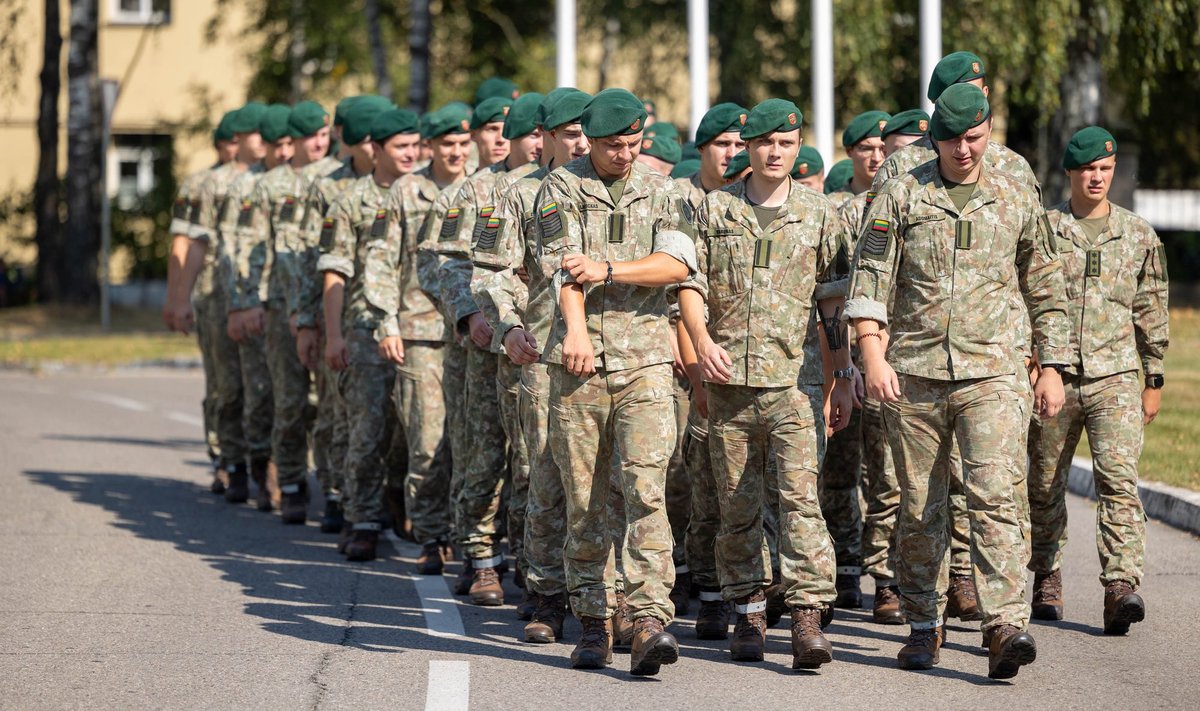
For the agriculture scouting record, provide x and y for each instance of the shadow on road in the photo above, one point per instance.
(190, 444)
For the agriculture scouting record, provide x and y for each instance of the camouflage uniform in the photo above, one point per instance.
(1117, 307)
(770, 403)
(626, 405)
(996, 158)
(957, 371)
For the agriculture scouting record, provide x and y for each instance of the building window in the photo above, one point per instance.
(140, 12)
(137, 164)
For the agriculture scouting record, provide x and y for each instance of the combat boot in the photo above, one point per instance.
(293, 507)
(526, 605)
(776, 594)
(810, 649)
(393, 499)
(218, 483)
(712, 621)
(923, 649)
(622, 623)
(1122, 607)
(594, 649)
(432, 560)
(849, 588)
(961, 600)
(546, 624)
(363, 542)
(1009, 649)
(485, 588)
(258, 470)
(344, 536)
(332, 519)
(653, 646)
(237, 491)
(466, 576)
(750, 628)
(680, 590)
(886, 608)
(1047, 596)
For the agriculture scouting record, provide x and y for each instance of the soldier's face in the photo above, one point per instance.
(1091, 182)
(400, 153)
(814, 182)
(613, 156)
(313, 148)
(493, 146)
(226, 150)
(773, 155)
(527, 148)
(281, 151)
(251, 147)
(867, 155)
(960, 157)
(895, 142)
(716, 154)
(570, 143)
(451, 151)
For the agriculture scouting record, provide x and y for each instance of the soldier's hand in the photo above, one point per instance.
(391, 348)
(882, 383)
(521, 346)
(839, 406)
(254, 322)
(584, 269)
(700, 399)
(1151, 401)
(481, 332)
(306, 347)
(182, 318)
(578, 357)
(336, 355)
(715, 362)
(168, 315)
(523, 274)
(1048, 395)
(233, 327)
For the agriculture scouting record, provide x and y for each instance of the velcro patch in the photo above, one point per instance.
(1093, 262)
(551, 221)
(962, 234)
(616, 228)
(870, 198)
(180, 210)
(194, 217)
(487, 237)
(726, 231)
(379, 226)
(481, 222)
(287, 213)
(922, 219)
(246, 214)
(875, 241)
(327, 232)
(449, 224)
(762, 253)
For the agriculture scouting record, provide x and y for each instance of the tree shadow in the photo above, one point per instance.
(186, 443)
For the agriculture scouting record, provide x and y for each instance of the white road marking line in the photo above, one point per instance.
(121, 402)
(185, 419)
(437, 604)
(449, 686)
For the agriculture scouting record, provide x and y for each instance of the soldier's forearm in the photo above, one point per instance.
(331, 301)
(570, 304)
(193, 262)
(655, 270)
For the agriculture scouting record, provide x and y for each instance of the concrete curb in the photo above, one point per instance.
(1170, 504)
(54, 366)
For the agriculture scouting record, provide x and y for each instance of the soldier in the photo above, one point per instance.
(903, 129)
(487, 131)
(950, 233)
(686, 168)
(357, 253)
(739, 166)
(660, 152)
(496, 88)
(1116, 276)
(863, 144)
(809, 170)
(839, 176)
(182, 310)
(615, 229)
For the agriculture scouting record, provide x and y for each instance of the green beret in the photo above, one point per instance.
(913, 122)
(522, 117)
(959, 109)
(954, 68)
(566, 108)
(1087, 145)
(690, 151)
(451, 118)
(650, 107)
(613, 112)
(868, 124)
(808, 163)
(686, 168)
(662, 147)
(392, 123)
(664, 129)
(549, 100)
(274, 122)
(721, 118)
(490, 110)
(356, 125)
(306, 118)
(496, 88)
(224, 129)
(247, 118)
(770, 116)
(737, 164)
(339, 111)
(839, 175)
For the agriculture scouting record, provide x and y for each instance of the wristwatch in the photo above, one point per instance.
(847, 373)
(1062, 369)
(1154, 382)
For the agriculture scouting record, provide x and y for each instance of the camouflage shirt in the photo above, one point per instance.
(305, 293)
(355, 244)
(841, 197)
(997, 158)
(1116, 293)
(948, 276)
(693, 192)
(853, 210)
(183, 212)
(207, 214)
(575, 214)
(762, 284)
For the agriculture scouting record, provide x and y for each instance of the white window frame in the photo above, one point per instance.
(144, 16)
(144, 157)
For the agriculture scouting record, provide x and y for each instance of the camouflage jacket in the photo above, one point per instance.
(183, 212)
(762, 285)
(575, 214)
(1116, 293)
(304, 294)
(693, 192)
(948, 276)
(853, 210)
(207, 214)
(840, 197)
(355, 243)
(997, 158)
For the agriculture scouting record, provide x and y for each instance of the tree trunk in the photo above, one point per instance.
(296, 51)
(1082, 93)
(84, 162)
(46, 193)
(383, 80)
(609, 46)
(418, 51)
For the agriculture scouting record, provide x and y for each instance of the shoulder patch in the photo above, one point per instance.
(449, 224)
(870, 198)
(551, 222)
(194, 217)
(246, 214)
(180, 210)
(487, 236)
(327, 232)
(379, 226)
(875, 242)
(287, 212)
(485, 213)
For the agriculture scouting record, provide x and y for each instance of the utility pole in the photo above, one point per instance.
(931, 46)
(564, 35)
(822, 78)
(108, 95)
(697, 61)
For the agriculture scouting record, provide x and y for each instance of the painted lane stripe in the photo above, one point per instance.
(437, 604)
(116, 401)
(449, 686)
(186, 419)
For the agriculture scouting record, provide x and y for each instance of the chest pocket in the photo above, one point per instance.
(795, 261)
(927, 240)
(729, 258)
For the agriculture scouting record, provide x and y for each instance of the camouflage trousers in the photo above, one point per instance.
(331, 432)
(882, 497)
(421, 410)
(985, 419)
(705, 516)
(746, 426)
(627, 415)
(679, 485)
(202, 305)
(508, 389)
(545, 509)
(478, 501)
(231, 401)
(365, 388)
(290, 383)
(454, 375)
(839, 493)
(1110, 410)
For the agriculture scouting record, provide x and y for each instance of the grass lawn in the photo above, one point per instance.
(33, 336)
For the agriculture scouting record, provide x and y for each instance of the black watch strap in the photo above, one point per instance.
(1154, 382)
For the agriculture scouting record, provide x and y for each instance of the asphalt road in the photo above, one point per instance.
(125, 584)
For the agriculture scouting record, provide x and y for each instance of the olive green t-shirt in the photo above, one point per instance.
(960, 193)
(1092, 226)
(615, 189)
(765, 215)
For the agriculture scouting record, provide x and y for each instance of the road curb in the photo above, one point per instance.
(54, 366)
(1170, 504)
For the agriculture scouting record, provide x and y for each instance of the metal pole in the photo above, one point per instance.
(108, 89)
(564, 33)
(931, 46)
(698, 61)
(822, 78)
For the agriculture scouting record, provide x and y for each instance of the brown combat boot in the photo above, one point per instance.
(961, 600)
(432, 559)
(923, 649)
(886, 608)
(1009, 649)
(810, 649)
(1122, 607)
(681, 590)
(363, 542)
(293, 507)
(849, 588)
(776, 594)
(485, 588)
(1047, 596)
(712, 621)
(258, 471)
(546, 624)
(749, 628)
(237, 490)
(594, 649)
(622, 624)
(653, 646)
